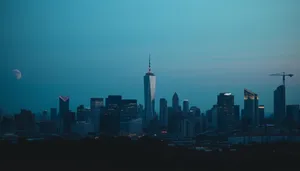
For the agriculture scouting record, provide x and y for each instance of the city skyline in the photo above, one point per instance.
(140, 101)
(87, 49)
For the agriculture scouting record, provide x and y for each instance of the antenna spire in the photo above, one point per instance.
(149, 67)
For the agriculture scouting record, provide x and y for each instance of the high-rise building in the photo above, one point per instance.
(261, 109)
(97, 106)
(25, 122)
(175, 102)
(251, 107)
(53, 114)
(195, 111)
(140, 111)
(186, 106)
(209, 116)
(129, 109)
(215, 117)
(64, 103)
(163, 108)
(83, 114)
(237, 113)
(279, 105)
(226, 117)
(110, 119)
(292, 112)
(96, 103)
(149, 95)
(129, 112)
(45, 115)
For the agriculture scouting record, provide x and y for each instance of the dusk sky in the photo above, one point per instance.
(95, 48)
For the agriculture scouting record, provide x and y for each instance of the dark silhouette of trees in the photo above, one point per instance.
(148, 152)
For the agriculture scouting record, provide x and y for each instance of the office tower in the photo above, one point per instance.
(25, 123)
(80, 113)
(110, 119)
(279, 105)
(226, 118)
(175, 102)
(53, 114)
(186, 106)
(261, 109)
(292, 112)
(83, 114)
(69, 120)
(45, 115)
(7, 124)
(149, 95)
(209, 116)
(129, 109)
(251, 107)
(136, 127)
(140, 111)
(97, 107)
(215, 119)
(96, 103)
(64, 103)
(163, 112)
(195, 111)
(173, 121)
(237, 113)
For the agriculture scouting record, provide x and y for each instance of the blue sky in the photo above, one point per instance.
(93, 48)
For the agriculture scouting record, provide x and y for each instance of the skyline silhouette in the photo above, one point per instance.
(199, 49)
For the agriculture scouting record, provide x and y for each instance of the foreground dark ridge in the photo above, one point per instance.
(148, 152)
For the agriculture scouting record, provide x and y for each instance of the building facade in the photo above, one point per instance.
(186, 106)
(163, 112)
(261, 112)
(64, 108)
(251, 107)
(149, 95)
(225, 112)
(279, 105)
(293, 113)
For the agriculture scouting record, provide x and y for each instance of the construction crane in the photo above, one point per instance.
(283, 74)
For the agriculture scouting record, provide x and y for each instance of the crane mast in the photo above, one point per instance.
(283, 74)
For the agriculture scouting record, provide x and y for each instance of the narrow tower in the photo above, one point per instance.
(149, 94)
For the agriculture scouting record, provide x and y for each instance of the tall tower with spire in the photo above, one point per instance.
(149, 94)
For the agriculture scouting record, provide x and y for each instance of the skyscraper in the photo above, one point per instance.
(83, 114)
(186, 106)
(175, 102)
(110, 120)
(237, 113)
(292, 112)
(129, 109)
(225, 112)
(64, 103)
(53, 114)
(261, 112)
(97, 106)
(163, 108)
(96, 103)
(251, 107)
(279, 105)
(149, 95)
(25, 122)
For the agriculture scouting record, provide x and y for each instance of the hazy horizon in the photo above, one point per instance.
(91, 48)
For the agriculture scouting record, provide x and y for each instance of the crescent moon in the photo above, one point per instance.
(17, 74)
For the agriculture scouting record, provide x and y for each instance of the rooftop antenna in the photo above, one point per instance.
(149, 67)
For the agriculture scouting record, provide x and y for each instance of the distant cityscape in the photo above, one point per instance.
(115, 116)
